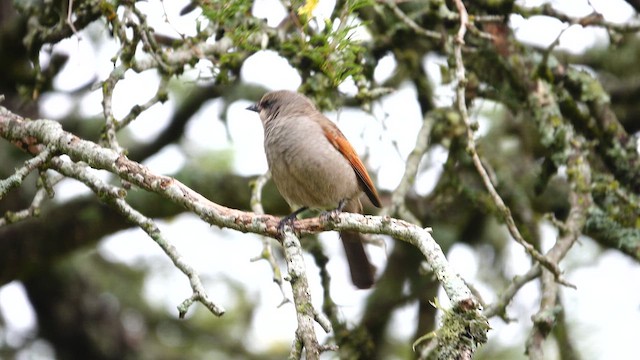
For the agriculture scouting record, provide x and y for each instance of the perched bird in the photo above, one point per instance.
(314, 166)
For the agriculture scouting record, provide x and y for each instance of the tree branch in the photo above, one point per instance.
(305, 333)
(477, 162)
(40, 133)
(580, 198)
(114, 196)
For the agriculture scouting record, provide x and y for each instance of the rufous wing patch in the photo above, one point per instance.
(340, 142)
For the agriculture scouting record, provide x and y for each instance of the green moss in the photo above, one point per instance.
(590, 88)
(602, 225)
(460, 330)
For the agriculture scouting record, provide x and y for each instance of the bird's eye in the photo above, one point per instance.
(266, 104)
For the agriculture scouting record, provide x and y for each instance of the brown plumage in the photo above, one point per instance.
(313, 165)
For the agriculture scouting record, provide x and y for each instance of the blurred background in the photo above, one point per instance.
(79, 282)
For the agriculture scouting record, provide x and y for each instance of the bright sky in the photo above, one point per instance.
(605, 322)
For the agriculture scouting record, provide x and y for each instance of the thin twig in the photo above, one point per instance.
(499, 306)
(410, 23)
(580, 200)
(159, 97)
(33, 210)
(398, 203)
(111, 124)
(20, 174)
(471, 148)
(114, 196)
(592, 19)
(69, 19)
(267, 249)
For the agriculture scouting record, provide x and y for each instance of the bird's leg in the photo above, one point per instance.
(289, 220)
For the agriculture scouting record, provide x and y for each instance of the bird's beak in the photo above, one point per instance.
(254, 107)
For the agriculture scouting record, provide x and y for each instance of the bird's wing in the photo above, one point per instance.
(340, 142)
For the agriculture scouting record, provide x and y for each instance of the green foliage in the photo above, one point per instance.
(326, 59)
(325, 56)
(226, 11)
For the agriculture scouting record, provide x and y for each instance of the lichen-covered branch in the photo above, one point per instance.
(579, 172)
(20, 174)
(114, 196)
(305, 333)
(44, 192)
(592, 19)
(49, 133)
(471, 147)
(267, 250)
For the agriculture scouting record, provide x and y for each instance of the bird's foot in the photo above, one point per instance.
(330, 215)
(289, 220)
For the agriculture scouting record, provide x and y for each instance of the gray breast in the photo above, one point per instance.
(311, 172)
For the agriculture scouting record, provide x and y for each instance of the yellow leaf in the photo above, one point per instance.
(308, 8)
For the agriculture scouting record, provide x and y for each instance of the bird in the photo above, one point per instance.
(314, 166)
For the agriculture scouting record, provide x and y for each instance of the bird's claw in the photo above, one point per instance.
(330, 215)
(290, 221)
